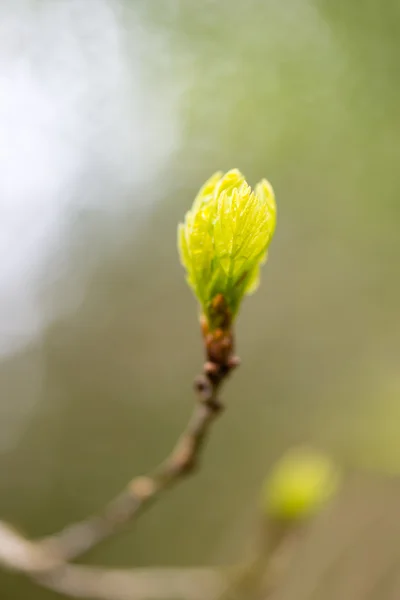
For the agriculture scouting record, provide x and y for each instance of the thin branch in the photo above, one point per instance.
(258, 578)
(140, 492)
(19, 554)
(137, 584)
(262, 574)
(80, 537)
(75, 581)
(46, 561)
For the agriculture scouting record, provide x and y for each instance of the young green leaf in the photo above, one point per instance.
(224, 240)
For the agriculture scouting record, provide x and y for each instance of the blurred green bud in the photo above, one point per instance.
(300, 484)
(223, 242)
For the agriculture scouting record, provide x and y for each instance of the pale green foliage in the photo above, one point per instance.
(299, 485)
(225, 238)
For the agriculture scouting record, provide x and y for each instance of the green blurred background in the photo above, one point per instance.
(112, 114)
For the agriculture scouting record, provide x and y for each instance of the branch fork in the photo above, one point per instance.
(47, 561)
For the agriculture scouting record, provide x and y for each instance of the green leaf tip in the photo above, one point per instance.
(300, 484)
(224, 240)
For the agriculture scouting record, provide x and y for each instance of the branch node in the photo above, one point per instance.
(233, 362)
(143, 487)
(203, 387)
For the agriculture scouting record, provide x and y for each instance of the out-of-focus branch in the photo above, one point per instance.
(46, 561)
(78, 538)
(137, 584)
(260, 577)
(75, 581)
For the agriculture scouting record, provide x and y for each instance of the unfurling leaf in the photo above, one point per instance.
(223, 242)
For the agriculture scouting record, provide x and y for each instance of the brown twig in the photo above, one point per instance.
(46, 561)
(76, 581)
(78, 538)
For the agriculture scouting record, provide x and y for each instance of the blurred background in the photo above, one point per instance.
(112, 114)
